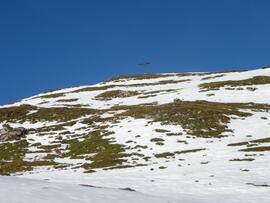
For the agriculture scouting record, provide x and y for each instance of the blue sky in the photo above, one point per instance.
(53, 44)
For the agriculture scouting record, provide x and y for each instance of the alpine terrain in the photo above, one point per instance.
(176, 137)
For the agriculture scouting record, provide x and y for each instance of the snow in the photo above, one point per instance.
(19, 190)
(203, 176)
(218, 180)
(188, 90)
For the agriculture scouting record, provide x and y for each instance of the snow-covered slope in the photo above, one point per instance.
(33, 191)
(198, 137)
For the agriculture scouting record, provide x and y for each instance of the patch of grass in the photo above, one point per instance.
(90, 171)
(76, 105)
(118, 167)
(147, 158)
(61, 114)
(165, 82)
(36, 144)
(248, 155)
(164, 155)
(19, 113)
(212, 77)
(137, 154)
(15, 150)
(156, 140)
(237, 144)
(99, 150)
(46, 130)
(161, 91)
(161, 130)
(252, 89)
(147, 96)
(86, 185)
(115, 94)
(51, 156)
(52, 95)
(174, 134)
(249, 143)
(128, 189)
(140, 147)
(256, 149)
(44, 102)
(189, 151)
(12, 158)
(262, 140)
(129, 141)
(259, 185)
(87, 89)
(97, 119)
(53, 90)
(182, 141)
(15, 113)
(257, 80)
(241, 88)
(252, 145)
(49, 147)
(136, 77)
(18, 165)
(199, 118)
(67, 100)
(245, 159)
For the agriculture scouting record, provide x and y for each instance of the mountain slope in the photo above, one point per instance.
(33, 191)
(177, 134)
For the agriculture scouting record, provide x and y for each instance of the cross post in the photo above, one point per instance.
(144, 65)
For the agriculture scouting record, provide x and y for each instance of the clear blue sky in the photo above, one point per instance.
(49, 44)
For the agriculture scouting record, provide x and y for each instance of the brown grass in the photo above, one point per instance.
(257, 80)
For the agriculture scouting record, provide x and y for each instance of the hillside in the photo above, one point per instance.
(33, 191)
(198, 137)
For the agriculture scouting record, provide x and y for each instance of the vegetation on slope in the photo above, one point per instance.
(199, 118)
(20, 113)
(115, 94)
(12, 158)
(257, 80)
(15, 113)
(98, 149)
(106, 87)
(154, 76)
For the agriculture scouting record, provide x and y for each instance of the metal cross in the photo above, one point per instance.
(144, 65)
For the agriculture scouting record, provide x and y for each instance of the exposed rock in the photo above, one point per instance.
(7, 133)
(177, 101)
(3, 131)
(123, 93)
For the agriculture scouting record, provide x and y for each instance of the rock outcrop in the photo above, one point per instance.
(7, 133)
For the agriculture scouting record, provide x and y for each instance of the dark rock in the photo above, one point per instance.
(177, 101)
